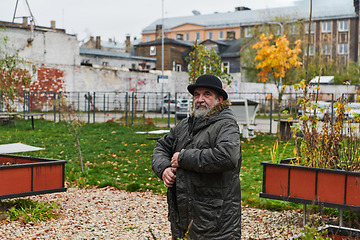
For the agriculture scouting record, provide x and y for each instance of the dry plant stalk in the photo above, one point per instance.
(335, 145)
(74, 124)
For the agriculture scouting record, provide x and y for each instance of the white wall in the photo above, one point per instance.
(58, 55)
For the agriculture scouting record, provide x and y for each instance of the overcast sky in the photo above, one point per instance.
(118, 18)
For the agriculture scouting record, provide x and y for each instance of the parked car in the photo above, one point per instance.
(354, 111)
(183, 111)
(323, 108)
(164, 105)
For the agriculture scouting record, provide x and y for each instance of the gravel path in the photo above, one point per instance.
(108, 213)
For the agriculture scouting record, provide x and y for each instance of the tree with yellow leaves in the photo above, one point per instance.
(276, 59)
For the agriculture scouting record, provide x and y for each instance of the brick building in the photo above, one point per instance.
(334, 31)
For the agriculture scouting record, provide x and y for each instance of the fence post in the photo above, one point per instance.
(332, 108)
(94, 108)
(59, 106)
(104, 105)
(78, 102)
(126, 107)
(54, 106)
(24, 104)
(271, 112)
(169, 110)
(132, 108)
(29, 101)
(88, 99)
(1, 103)
(175, 108)
(144, 108)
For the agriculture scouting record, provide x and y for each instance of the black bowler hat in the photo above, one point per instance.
(208, 81)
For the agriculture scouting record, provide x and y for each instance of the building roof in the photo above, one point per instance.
(322, 9)
(233, 50)
(106, 53)
(36, 28)
(167, 41)
(230, 49)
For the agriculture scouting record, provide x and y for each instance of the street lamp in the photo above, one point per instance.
(162, 60)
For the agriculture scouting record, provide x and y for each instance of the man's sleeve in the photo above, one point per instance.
(162, 153)
(226, 154)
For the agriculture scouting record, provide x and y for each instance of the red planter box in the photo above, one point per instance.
(308, 185)
(24, 176)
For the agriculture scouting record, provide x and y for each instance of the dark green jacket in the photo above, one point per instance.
(207, 189)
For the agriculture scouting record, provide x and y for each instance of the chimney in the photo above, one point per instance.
(25, 20)
(230, 35)
(98, 42)
(53, 24)
(158, 31)
(127, 44)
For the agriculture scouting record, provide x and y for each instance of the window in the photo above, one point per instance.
(326, 49)
(152, 50)
(122, 65)
(178, 67)
(187, 36)
(343, 48)
(326, 27)
(147, 38)
(311, 50)
(248, 32)
(343, 26)
(197, 36)
(210, 35)
(225, 67)
(165, 36)
(221, 35)
(312, 28)
(86, 61)
(105, 63)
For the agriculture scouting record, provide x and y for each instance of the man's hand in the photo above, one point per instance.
(169, 176)
(174, 160)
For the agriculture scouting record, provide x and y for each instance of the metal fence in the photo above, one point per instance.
(131, 106)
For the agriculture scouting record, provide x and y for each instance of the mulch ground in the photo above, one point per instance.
(108, 213)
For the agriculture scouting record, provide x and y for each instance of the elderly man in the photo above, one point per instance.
(199, 161)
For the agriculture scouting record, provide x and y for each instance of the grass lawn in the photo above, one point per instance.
(114, 155)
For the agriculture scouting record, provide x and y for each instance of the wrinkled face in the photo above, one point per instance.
(204, 100)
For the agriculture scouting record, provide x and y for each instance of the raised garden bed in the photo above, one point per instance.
(309, 185)
(25, 176)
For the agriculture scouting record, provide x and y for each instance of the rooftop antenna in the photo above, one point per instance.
(16, 6)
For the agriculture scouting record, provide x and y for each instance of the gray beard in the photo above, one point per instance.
(201, 113)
